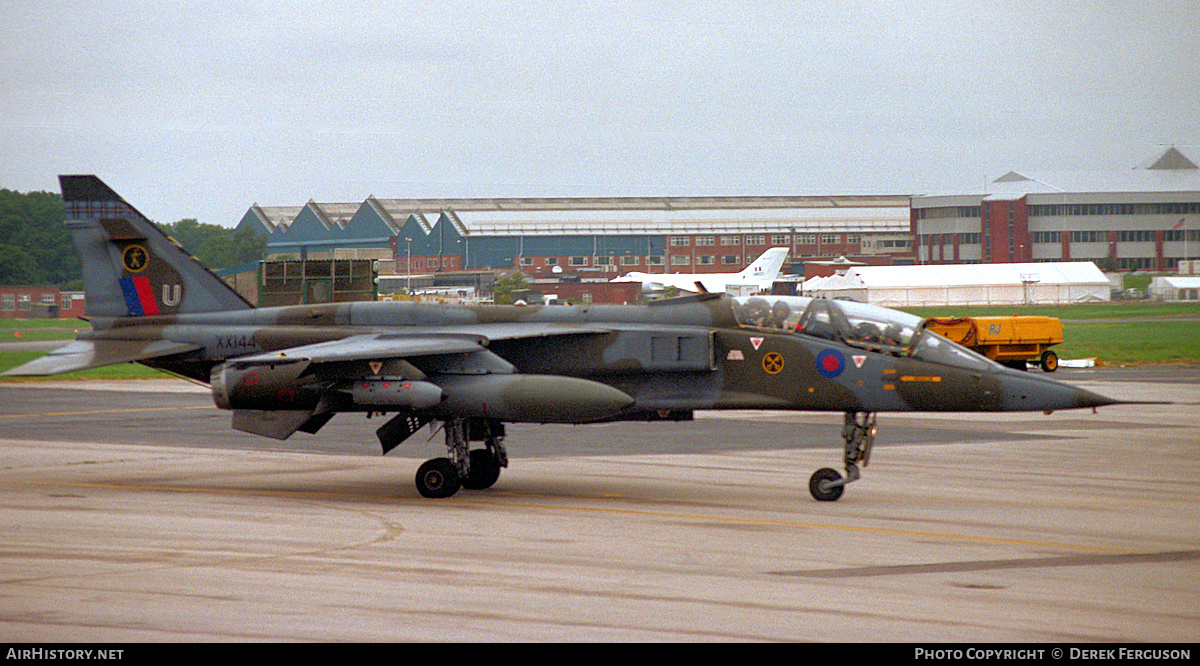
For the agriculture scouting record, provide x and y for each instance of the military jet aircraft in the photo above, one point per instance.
(759, 275)
(473, 369)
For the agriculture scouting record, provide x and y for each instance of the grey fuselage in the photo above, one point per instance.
(670, 357)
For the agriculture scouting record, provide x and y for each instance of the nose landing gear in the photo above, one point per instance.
(858, 431)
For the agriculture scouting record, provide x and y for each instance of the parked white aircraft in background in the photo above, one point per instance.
(761, 273)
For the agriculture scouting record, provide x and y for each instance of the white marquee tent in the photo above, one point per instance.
(1172, 288)
(966, 284)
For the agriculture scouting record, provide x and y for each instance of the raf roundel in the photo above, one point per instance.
(831, 363)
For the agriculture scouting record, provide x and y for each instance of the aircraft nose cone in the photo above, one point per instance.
(1026, 392)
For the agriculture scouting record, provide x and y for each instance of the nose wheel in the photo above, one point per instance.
(858, 431)
(826, 485)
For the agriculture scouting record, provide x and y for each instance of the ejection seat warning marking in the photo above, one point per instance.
(735, 355)
(757, 342)
(773, 363)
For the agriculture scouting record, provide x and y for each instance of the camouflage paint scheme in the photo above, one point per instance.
(475, 367)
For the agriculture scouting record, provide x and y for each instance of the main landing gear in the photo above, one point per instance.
(464, 467)
(826, 484)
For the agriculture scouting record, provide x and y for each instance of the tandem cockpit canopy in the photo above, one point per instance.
(856, 324)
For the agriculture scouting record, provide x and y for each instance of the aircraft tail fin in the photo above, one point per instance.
(130, 267)
(766, 267)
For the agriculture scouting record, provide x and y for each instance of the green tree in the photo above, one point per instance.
(17, 267)
(247, 245)
(216, 246)
(33, 224)
(504, 286)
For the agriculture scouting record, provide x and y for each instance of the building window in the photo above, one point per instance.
(655, 260)
(1136, 237)
(706, 240)
(830, 239)
(578, 261)
(630, 260)
(806, 239)
(1047, 237)
(731, 259)
(731, 240)
(604, 261)
(10, 302)
(551, 261)
(526, 261)
(680, 241)
(755, 239)
(680, 260)
(1135, 263)
(1089, 237)
(704, 260)
(780, 239)
(23, 302)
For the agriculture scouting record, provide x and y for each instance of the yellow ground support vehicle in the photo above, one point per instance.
(1013, 341)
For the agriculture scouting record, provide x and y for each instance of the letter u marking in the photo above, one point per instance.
(172, 293)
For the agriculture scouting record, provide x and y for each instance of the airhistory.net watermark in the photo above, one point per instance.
(38, 654)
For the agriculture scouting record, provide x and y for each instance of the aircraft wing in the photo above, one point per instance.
(362, 347)
(85, 354)
(456, 350)
(711, 282)
(429, 341)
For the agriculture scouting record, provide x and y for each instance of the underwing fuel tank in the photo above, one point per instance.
(529, 398)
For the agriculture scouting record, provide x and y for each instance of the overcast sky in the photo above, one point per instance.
(201, 108)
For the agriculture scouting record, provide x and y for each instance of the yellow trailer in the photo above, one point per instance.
(1013, 341)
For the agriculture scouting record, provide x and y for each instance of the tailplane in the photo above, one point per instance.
(130, 267)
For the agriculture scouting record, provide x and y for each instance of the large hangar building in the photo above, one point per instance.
(1141, 219)
(590, 239)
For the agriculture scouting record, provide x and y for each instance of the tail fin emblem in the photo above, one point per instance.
(135, 258)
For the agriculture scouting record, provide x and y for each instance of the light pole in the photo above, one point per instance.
(408, 267)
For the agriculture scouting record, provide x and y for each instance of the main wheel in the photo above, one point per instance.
(485, 469)
(437, 478)
(819, 486)
(1049, 361)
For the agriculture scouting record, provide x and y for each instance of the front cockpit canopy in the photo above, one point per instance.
(856, 324)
